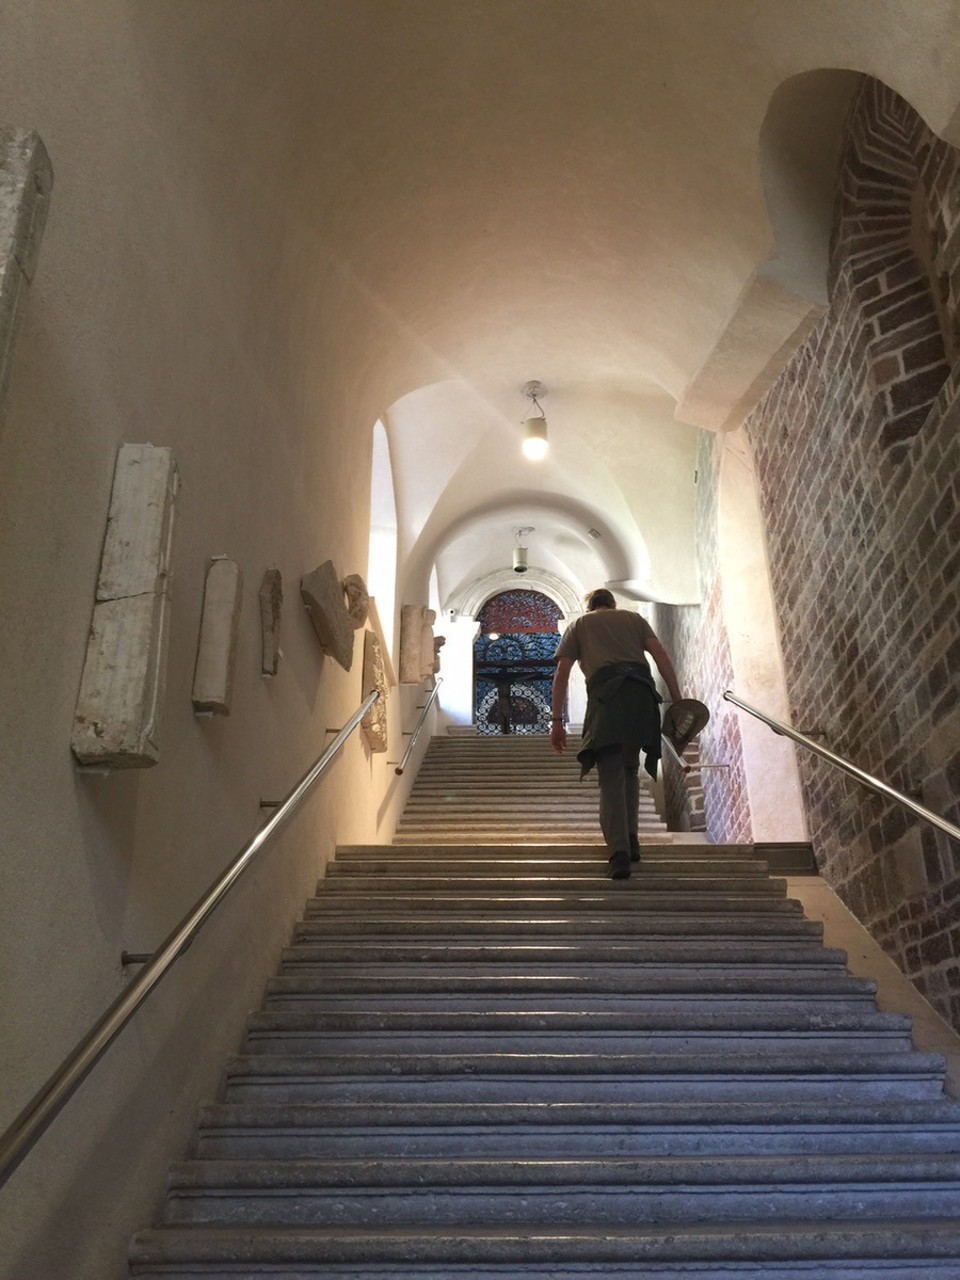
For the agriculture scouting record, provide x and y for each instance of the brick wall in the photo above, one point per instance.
(697, 640)
(857, 449)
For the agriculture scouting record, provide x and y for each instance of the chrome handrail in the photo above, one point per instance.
(416, 733)
(868, 780)
(672, 750)
(44, 1107)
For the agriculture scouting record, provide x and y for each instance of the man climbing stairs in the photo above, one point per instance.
(490, 1061)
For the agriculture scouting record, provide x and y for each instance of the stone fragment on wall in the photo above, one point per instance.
(411, 638)
(26, 179)
(358, 600)
(217, 644)
(117, 718)
(377, 626)
(322, 594)
(374, 723)
(427, 655)
(438, 643)
(271, 606)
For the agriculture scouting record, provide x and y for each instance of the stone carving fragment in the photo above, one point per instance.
(411, 637)
(117, 719)
(374, 723)
(438, 643)
(271, 604)
(216, 648)
(377, 626)
(26, 179)
(323, 596)
(358, 600)
(426, 643)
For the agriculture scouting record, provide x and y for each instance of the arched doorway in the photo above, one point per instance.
(513, 662)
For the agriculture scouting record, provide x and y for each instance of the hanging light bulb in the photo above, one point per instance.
(535, 428)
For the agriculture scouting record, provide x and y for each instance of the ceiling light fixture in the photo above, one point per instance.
(519, 552)
(535, 429)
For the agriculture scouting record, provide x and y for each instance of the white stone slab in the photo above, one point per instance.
(411, 638)
(217, 644)
(117, 718)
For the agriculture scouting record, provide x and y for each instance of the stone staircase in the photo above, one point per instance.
(508, 790)
(493, 1062)
(487, 1060)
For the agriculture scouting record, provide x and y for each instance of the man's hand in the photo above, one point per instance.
(558, 737)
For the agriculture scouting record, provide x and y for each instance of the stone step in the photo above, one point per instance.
(693, 983)
(658, 873)
(577, 836)
(449, 890)
(269, 1033)
(623, 895)
(659, 952)
(302, 992)
(562, 1131)
(801, 1073)
(653, 850)
(642, 880)
(595, 863)
(518, 832)
(771, 929)
(619, 1190)
(851, 1250)
(796, 1019)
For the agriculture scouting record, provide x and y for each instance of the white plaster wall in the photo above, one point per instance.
(177, 301)
(773, 783)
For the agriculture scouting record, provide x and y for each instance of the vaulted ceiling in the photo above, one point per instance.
(628, 200)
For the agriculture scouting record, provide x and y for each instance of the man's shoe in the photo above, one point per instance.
(634, 849)
(619, 865)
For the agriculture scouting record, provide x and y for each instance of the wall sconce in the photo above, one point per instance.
(535, 428)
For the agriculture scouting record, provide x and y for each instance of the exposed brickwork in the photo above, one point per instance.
(858, 456)
(697, 640)
(683, 792)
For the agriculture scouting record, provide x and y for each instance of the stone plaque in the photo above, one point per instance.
(26, 179)
(411, 637)
(117, 719)
(271, 605)
(323, 596)
(216, 648)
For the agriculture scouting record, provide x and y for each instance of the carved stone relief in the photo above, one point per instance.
(323, 596)
(271, 605)
(438, 643)
(411, 638)
(374, 723)
(216, 648)
(358, 600)
(117, 719)
(427, 655)
(26, 179)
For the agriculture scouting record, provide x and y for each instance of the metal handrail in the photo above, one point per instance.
(868, 780)
(39, 1113)
(678, 758)
(416, 733)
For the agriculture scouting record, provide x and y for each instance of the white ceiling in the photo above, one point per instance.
(594, 193)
